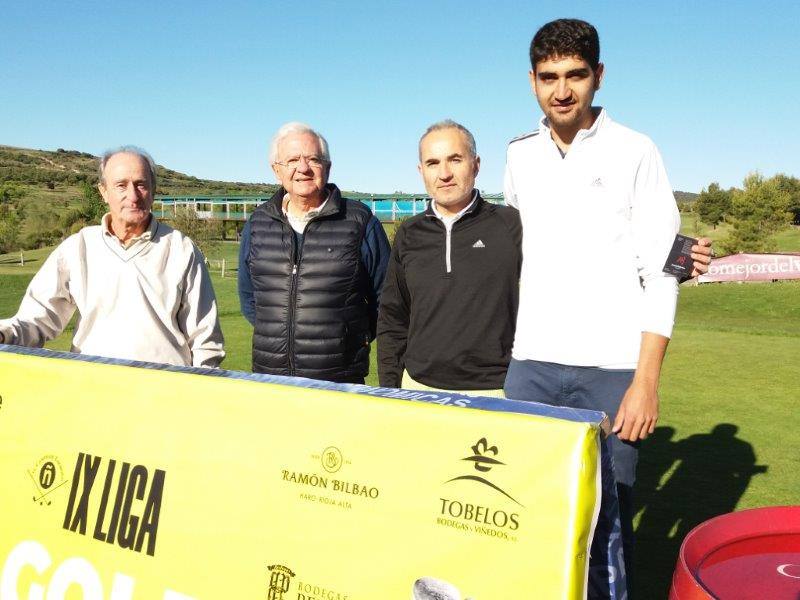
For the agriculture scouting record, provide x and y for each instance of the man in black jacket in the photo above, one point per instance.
(311, 267)
(449, 303)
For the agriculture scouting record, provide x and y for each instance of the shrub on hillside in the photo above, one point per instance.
(43, 228)
(757, 213)
(88, 212)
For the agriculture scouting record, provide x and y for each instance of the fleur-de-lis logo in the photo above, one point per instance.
(482, 462)
(483, 459)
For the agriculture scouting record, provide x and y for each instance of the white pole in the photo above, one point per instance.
(223, 268)
(21, 259)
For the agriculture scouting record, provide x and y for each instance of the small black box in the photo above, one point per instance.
(679, 261)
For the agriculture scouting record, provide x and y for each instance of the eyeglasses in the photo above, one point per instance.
(315, 162)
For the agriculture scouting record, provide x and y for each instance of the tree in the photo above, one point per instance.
(792, 186)
(206, 234)
(43, 227)
(10, 193)
(12, 213)
(10, 221)
(757, 213)
(713, 204)
(89, 211)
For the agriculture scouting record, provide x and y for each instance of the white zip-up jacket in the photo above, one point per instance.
(598, 224)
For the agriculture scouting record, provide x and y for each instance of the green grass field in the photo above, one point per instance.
(728, 435)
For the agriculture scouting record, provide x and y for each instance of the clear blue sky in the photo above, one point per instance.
(204, 86)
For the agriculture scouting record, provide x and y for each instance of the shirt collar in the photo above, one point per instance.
(600, 117)
(145, 236)
(458, 215)
(298, 223)
(306, 217)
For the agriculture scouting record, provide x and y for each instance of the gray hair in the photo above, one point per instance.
(296, 127)
(151, 165)
(450, 124)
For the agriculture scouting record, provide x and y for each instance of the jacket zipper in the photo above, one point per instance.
(448, 239)
(293, 290)
(292, 301)
(447, 244)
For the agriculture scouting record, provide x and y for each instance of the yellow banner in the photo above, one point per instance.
(127, 483)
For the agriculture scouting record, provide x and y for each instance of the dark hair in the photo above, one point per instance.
(566, 37)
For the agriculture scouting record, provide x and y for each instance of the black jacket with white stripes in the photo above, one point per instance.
(451, 329)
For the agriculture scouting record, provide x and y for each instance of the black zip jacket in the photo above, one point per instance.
(451, 330)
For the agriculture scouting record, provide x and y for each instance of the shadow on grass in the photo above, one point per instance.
(706, 475)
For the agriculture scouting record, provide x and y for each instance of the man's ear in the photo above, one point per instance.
(102, 189)
(532, 78)
(598, 75)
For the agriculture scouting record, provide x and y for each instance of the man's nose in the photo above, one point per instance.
(445, 172)
(562, 89)
(303, 164)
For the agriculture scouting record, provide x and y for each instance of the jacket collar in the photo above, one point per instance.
(600, 118)
(476, 206)
(332, 206)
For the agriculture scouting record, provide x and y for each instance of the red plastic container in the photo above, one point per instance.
(747, 555)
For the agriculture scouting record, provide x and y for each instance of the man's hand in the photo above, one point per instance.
(638, 412)
(702, 253)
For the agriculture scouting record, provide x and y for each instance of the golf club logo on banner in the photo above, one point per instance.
(471, 516)
(279, 581)
(47, 476)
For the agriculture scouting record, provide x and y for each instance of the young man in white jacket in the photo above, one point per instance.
(594, 321)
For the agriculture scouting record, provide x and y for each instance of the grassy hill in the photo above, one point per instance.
(55, 178)
(49, 175)
(687, 197)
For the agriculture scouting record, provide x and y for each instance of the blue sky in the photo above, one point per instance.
(204, 86)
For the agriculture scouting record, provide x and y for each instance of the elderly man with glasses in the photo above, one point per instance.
(311, 267)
